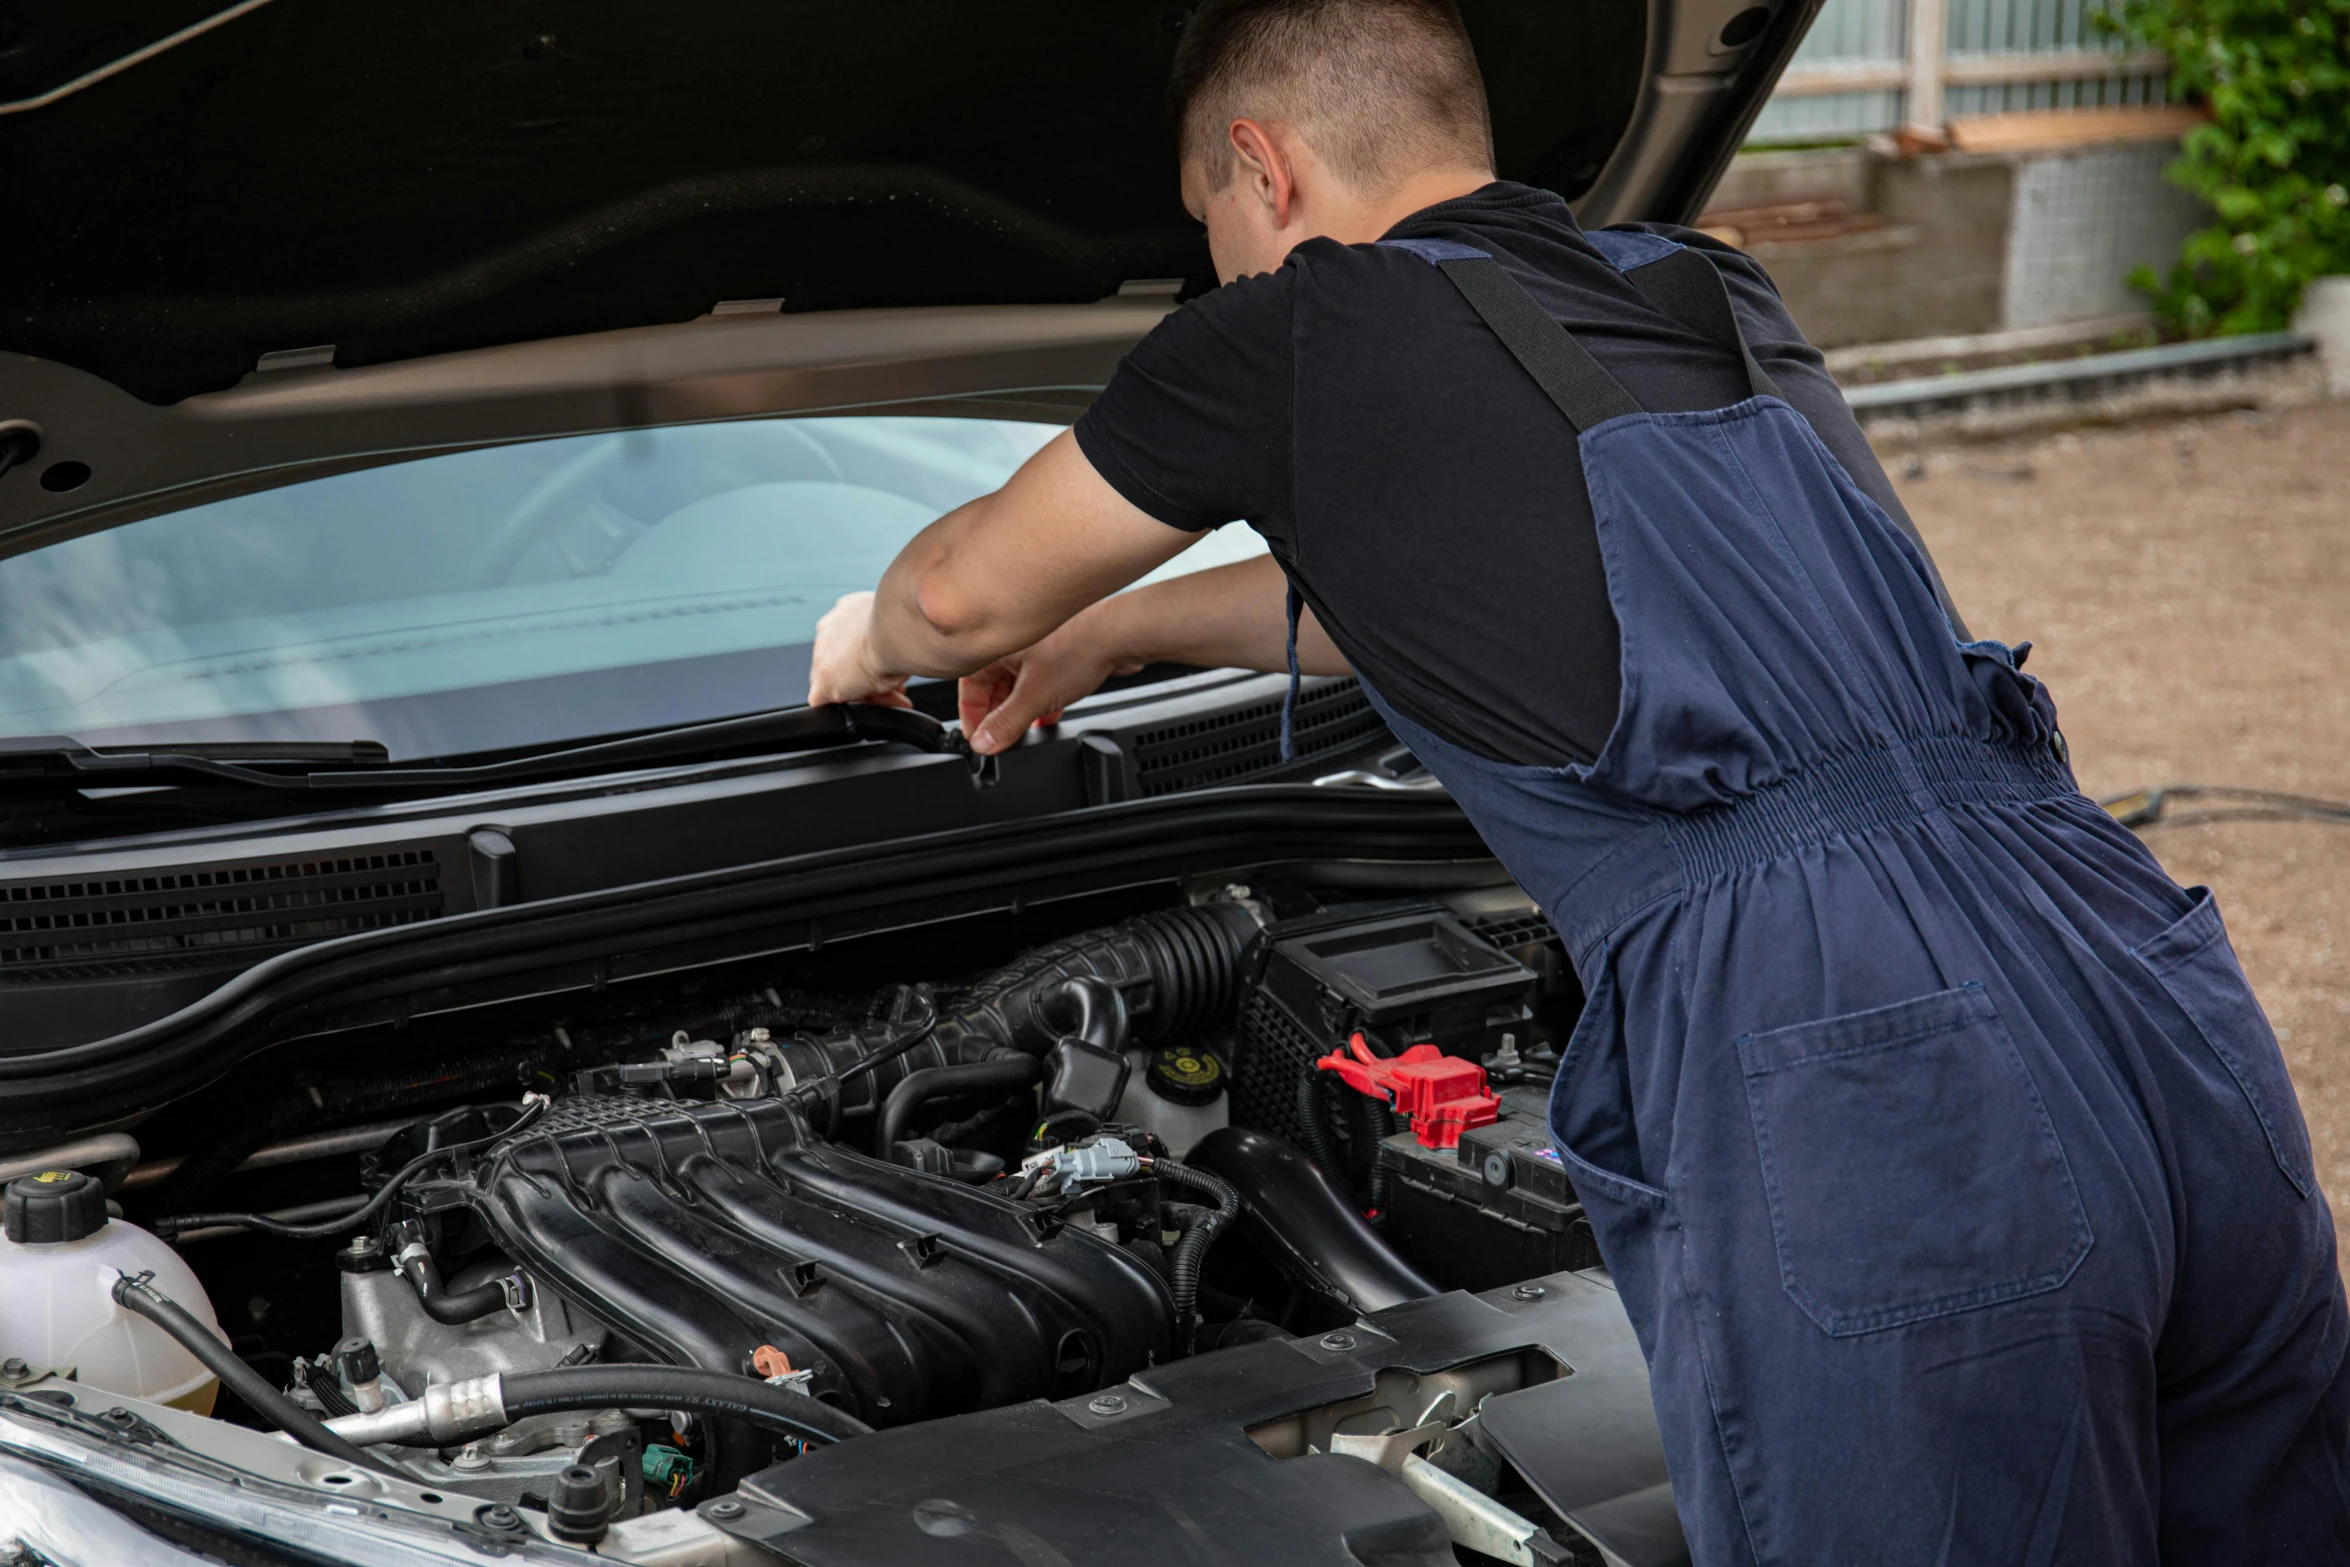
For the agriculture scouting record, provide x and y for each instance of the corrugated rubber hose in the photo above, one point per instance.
(1183, 1269)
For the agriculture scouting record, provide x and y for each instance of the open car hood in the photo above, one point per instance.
(198, 190)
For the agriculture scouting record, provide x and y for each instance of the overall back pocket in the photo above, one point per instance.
(1911, 1167)
(2196, 966)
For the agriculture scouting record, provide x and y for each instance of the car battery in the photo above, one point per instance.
(1496, 1210)
(1400, 974)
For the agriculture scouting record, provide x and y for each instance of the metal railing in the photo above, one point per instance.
(1877, 65)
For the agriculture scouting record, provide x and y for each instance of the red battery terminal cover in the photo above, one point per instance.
(1441, 1095)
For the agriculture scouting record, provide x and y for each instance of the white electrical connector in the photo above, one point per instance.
(1076, 1167)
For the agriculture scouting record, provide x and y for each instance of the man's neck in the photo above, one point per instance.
(1371, 219)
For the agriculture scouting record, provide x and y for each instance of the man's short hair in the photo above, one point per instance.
(1380, 89)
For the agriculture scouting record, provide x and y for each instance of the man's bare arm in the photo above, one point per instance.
(1009, 591)
(1227, 617)
(990, 578)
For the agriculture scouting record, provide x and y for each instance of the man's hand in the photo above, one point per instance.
(1227, 617)
(1008, 592)
(989, 578)
(842, 667)
(1000, 702)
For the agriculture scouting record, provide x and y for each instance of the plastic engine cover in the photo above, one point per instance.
(703, 1231)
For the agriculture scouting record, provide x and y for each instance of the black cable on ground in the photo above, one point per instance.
(178, 1223)
(138, 1295)
(771, 1408)
(1183, 1269)
(2142, 808)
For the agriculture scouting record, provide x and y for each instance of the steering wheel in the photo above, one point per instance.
(559, 495)
(566, 491)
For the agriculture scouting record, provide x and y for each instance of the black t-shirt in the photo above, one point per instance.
(1422, 493)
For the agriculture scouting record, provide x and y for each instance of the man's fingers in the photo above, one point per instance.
(1028, 701)
(978, 695)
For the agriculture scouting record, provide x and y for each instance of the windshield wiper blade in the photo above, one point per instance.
(51, 759)
(61, 757)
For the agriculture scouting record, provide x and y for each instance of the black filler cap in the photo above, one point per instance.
(357, 1360)
(1184, 1075)
(55, 1205)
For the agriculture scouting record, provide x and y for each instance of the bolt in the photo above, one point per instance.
(726, 1507)
(1529, 1292)
(13, 1367)
(1107, 1404)
(1338, 1343)
(470, 1458)
(498, 1516)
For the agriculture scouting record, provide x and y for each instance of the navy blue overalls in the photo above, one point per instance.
(1943, 1158)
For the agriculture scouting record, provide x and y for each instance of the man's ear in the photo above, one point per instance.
(1266, 168)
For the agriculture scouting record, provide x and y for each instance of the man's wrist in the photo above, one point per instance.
(1122, 634)
(878, 659)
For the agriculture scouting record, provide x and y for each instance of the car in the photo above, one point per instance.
(602, 1103)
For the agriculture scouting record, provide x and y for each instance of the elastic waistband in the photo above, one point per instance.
(1854, 793)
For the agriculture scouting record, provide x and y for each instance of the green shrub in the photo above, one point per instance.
(2273, 162)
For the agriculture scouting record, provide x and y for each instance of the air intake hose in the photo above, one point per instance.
(1175, 969)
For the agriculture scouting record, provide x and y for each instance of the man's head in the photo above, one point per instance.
(1302, 118)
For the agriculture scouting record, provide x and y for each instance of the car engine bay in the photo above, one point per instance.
(614, 1267)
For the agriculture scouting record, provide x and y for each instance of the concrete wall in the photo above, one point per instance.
(1967, 243)
(1933, 268)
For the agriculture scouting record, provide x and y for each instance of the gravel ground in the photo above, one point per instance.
(2186, 589)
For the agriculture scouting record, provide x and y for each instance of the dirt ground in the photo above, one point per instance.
(2186, 589)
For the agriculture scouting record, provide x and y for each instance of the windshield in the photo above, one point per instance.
(515, 596)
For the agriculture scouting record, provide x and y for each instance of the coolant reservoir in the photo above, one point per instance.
(1176, 1091)
(59, 1257)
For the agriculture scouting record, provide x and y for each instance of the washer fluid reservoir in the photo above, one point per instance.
(59, 1257)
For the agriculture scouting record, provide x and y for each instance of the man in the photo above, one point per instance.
(1946, 1165)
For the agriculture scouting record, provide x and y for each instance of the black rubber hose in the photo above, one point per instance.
(1096, 1010)
(1191, 1252)
(137, 1295)
(176, 1223)
(676, 1387)
(932, 1082)
(451, 1308)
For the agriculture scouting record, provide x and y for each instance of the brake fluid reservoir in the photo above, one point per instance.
(1176, 1091)
(59, 1257)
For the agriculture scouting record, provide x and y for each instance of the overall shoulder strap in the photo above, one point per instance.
(1686, 285)
(1562, 367)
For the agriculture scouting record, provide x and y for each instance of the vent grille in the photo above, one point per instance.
(1246, 743)
(1274, 1053)
(1505, 931)
(102, 928)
